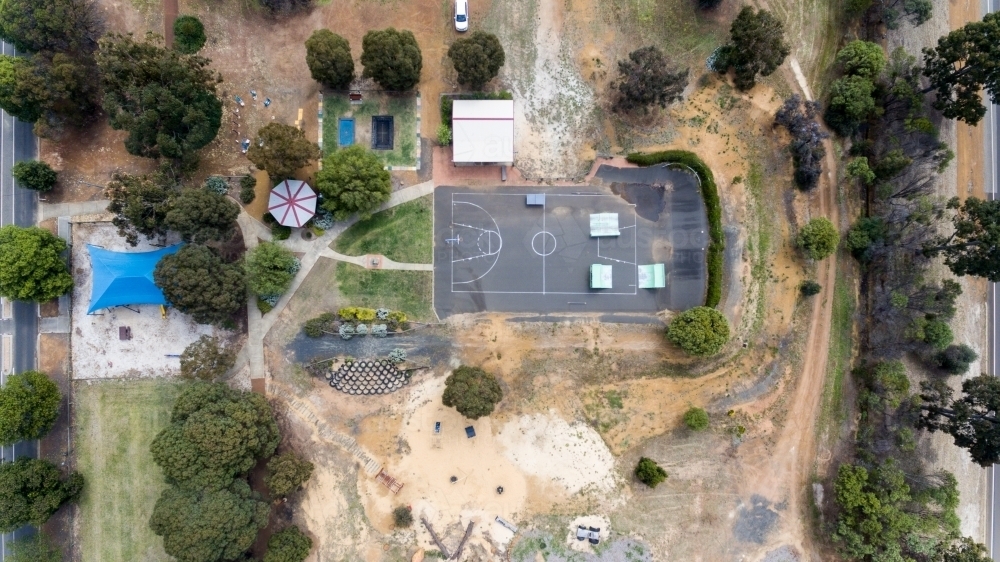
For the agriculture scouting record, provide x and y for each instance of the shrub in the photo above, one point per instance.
(280, 232)
(247, 195)
(346, 331)
(810, 288)
(397, 321)
(380, 330)
(263, 305)
(207, 359)
(710, 193)
(699, 331)
(472, 391)
(444, 135)
(34, 175)
(323, 219)
(397, 356)
(189, 35)
(402, 516)
(649, 473)
(316, 327)
(646, 79)
(955, 359)
(270, 269)
(215, 184)
(818, 238)
(361, 329)
(799, 118)
(382, 313)
(696, 419)
(288, 545)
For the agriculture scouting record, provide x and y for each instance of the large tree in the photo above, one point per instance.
(391, 58)
(756, 46)
(472, 391)
(72, 89)
(646, 78)
(215, 434)
(699, 331)
(200, 215)
(31, 490)
(32, 265)
(196, 281)
(49, 25)
(281, 149)
(207, 359)
(862, 58)
(208, 525)
(328, 56)
(29, 406)
(270, 269)
(962, 64)
(971, 420)
(852, 100)
(353, 180)
(165, 100)
(477, 59)
(140, 205)
(286, 473)
(973, 248)
(24, 93)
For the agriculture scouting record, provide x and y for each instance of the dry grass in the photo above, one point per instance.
(116, 422)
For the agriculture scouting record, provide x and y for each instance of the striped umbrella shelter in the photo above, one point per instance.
(292, 203)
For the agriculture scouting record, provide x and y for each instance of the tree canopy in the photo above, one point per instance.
(270, 269)
(208, 525)
(391, 58)
(288, 545)
(961, 65)
(328, 56)
(140, 205)
(477, 59)
(818, 238)
(286, 473)
(646, 79)
(165, 100)
(353, 180)
(207, 359)
(971, 420)
(32, 266)
(696, 418)
(31, 490)
(281, 149)
(649, 473)
(699, 331)
(200, 215)
(37, 548)
(49, 25)
(29, 406)
(23, 90)
(472, 391)
(34, 175)
(189, 34)
(799, 117)
(215, 434)
(756, 46)
(196, 281)
(973, 248)
(862, 58)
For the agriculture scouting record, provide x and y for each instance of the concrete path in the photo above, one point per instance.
(54, 210)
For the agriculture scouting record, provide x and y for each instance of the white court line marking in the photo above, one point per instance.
(547, 293)
(494, 254)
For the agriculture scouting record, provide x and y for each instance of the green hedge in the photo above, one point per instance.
(710, 193)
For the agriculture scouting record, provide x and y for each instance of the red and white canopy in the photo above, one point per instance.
(292, 203)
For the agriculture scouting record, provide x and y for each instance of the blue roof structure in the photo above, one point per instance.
(122, 278)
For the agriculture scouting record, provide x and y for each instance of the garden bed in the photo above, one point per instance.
(404, 110)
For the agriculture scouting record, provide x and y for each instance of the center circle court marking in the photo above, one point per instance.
(544, 243)
(489, 242)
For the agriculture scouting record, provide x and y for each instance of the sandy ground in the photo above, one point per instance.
(98, 352)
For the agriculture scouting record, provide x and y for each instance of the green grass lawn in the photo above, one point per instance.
(409, 291)
(402, 233)
(116, 422)
(404, 112)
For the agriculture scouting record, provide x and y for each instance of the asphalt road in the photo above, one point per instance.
(17, 206)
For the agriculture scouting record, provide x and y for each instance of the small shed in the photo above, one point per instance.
(482, 131)
(604, 224)
(600, 276)
(652, 276)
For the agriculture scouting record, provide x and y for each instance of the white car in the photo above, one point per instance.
(461, 15)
